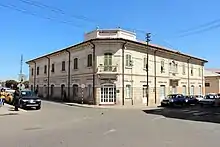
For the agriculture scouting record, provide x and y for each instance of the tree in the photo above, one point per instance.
(11, 83)
(26, 84)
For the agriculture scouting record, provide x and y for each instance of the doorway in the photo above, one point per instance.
(108, 94)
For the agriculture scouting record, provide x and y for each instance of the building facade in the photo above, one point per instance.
(110, 67)
(212, 81)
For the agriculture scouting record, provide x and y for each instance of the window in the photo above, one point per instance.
(128, 60)
(52, 68)
(63, 66)
(89, 60)
(191, 71)
(176, 68)
(32, 71)
(162, 66)
(108, 62)
(199, 72)
(192, 90)
(207, 84)
(184, 69)
(128, 91)
(45, 69)
(184, 90)
(38, 68)
(75, 63)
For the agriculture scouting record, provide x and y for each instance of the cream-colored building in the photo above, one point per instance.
(109, 67)
(212, 82)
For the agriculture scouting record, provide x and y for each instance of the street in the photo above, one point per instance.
(59, 125)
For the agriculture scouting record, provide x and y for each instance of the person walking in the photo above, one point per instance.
(16, 99)
(2, 96)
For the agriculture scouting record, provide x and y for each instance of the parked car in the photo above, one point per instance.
(191, 100)
(199, 97)
(29, 99)
(174, 99)
(210, 100)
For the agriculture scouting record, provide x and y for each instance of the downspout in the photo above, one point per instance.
(155, 77)
(69, 69)
(93, 73)
(35, 71)
(202, 79)
(188, 75)
(48, 78)
(123, 73)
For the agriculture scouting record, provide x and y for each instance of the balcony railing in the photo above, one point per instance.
(107, 68)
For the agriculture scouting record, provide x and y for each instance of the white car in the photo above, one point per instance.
(9, 90)
(211, 100)
(199, 97)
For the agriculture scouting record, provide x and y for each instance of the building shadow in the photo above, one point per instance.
(193, 113)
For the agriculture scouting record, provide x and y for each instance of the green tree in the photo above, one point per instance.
(11, 83)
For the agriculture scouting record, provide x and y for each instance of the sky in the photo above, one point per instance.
(32, 30)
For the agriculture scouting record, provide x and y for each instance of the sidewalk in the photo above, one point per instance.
(9, 110)
(137, 107)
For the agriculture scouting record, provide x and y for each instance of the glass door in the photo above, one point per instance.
(108, 94)
(108, 62)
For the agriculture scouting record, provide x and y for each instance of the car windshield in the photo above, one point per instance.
(174, 96)
(27, 93)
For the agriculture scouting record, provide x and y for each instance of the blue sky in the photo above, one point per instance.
(33, 36)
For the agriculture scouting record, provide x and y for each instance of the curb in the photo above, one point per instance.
(113, 107)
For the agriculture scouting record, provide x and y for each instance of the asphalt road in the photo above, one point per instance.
(58, 125)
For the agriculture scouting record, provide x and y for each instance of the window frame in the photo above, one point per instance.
(63, 66)
(75, 63)
(89, 60)
(127, 61)
(38, 70)
(45, 69)
(128, 95)
(53, 68)
(162, 66)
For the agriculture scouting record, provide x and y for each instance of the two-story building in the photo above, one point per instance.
(110, 67)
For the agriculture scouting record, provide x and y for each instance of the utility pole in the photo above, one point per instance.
(147, 40)
(21, 72)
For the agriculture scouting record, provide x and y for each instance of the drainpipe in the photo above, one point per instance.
(188, 75)
(155, 77)
(69, 69)
(48, 78)
(93, 73)
(35, 72)
(202, 79)
(123, 73)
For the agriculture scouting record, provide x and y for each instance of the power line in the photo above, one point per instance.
(201, 26)
(201, 31)
(15, 8)
(56, 10)
(60, 11)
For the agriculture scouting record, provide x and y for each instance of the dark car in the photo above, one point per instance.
(191, 100)
(174, 99)
(29, 99)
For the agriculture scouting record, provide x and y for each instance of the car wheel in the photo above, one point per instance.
(38, 107)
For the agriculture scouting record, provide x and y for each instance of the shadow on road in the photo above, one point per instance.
(194, 113)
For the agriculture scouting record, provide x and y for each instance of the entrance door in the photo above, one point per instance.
(162, 92)
(192, 90)
(108, 94)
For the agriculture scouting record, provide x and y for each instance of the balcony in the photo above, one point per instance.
(107, 69)
(107, 72)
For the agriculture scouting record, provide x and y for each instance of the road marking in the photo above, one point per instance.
(109, 131)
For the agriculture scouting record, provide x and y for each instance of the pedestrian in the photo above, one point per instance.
(16, 98)
(36, 91)
(2, 96)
